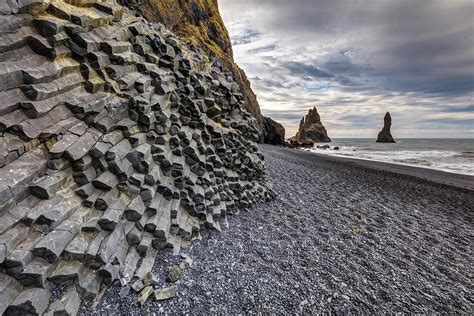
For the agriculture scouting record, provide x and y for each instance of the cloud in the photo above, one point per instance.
(467, 108)
(355, 60)
(267, 48)
(301, 69)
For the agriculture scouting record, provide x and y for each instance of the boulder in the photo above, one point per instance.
(166, 293)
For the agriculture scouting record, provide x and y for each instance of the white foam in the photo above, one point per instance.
(449, 161)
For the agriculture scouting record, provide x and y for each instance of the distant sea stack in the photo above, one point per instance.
(385, 136)
(311, 129)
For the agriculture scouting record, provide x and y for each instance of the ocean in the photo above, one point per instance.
(451, 155)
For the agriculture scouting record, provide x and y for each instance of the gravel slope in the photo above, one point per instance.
(338, 238)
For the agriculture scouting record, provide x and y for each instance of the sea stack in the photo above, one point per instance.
(385, 136)
(311, 129)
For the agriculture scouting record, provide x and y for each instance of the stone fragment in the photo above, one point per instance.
(186, 262)
(138, 285)
(124, 291)
(174, 274)
(150, 278)
(144, 295)
(166, 293)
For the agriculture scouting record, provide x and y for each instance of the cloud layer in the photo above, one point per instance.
(355, 60)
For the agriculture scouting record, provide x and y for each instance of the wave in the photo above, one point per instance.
(466, 154)
(445, 160)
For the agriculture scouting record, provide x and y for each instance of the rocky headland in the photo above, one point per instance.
(385, 136)
(118, 140)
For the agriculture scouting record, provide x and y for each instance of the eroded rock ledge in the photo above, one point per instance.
(116, 141)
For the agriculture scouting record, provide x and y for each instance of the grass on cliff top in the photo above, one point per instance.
(192, 20)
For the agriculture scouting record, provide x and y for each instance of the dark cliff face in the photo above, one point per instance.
(274, 132)
(199, 22)
(312, 129)
(385, 136)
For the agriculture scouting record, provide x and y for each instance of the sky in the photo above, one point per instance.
(355, 60)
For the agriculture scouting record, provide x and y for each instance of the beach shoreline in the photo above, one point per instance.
(462, 181)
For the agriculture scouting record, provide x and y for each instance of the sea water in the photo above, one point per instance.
(451, 155)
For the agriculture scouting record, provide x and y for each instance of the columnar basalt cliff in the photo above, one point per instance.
(385, 136)
(199, 22)
(117, 140)
(311, 129)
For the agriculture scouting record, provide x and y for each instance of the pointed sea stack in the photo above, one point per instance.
(311, 129)
(385, 136)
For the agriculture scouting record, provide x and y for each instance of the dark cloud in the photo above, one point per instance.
(456, 121)
(301, 69)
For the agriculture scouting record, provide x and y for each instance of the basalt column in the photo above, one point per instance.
(117, 141)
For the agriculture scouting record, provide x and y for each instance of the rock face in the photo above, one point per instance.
(199, 22)
(385, 136)
(274, 132)
(311, 129)
(117, 140)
